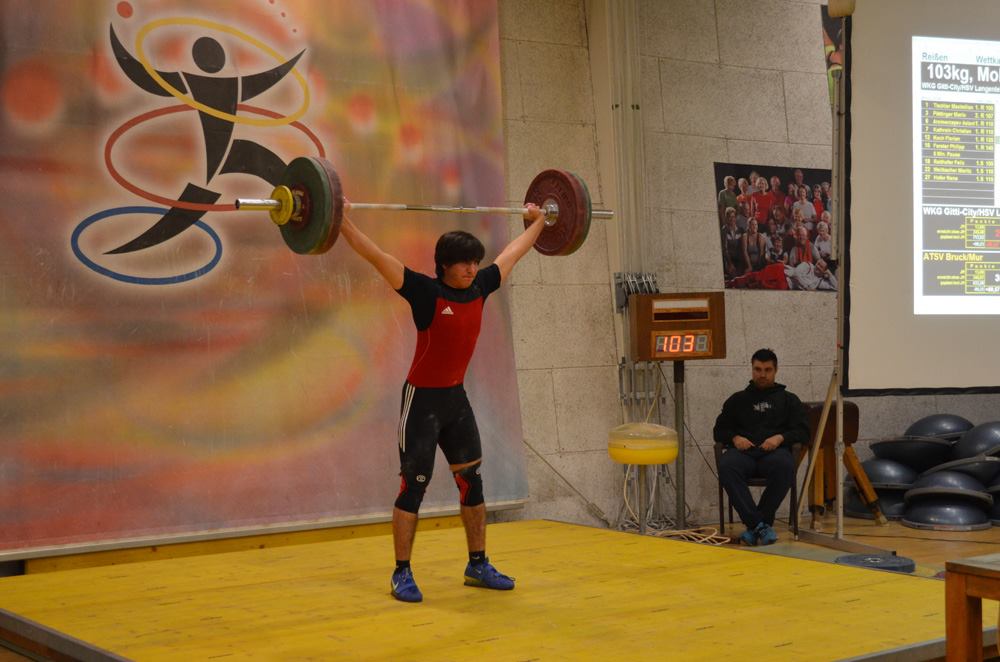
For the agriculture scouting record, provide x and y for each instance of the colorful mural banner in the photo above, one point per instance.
(169, 367)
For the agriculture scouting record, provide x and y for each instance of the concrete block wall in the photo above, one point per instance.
(562, 313)
(744, 82)
(722, 80)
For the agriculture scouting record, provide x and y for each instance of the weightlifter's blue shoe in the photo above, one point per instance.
(404, 587)
(485, 575)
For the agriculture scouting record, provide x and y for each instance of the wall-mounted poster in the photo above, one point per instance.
(775, 227)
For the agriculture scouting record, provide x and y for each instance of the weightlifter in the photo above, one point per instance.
(435, 410)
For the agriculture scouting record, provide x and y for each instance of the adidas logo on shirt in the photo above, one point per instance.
(447, 311)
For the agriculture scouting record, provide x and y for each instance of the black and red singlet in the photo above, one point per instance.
(448, 322)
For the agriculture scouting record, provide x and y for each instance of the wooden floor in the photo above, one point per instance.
(582, 593)
(929, 550)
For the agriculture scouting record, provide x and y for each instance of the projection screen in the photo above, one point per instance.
(922, 209)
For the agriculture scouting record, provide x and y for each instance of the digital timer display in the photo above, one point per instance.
(682, 344)
(677, 327)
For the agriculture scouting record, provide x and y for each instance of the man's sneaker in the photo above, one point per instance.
(403, 586)
(749, 537)
(486, 576)
(765, 534)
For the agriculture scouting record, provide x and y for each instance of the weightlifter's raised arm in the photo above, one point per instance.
(521, 244)
(387, 265)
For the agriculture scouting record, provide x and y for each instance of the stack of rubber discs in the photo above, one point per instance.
(953, 469)
(890, 479)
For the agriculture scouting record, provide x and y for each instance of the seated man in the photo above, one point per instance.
(758, 426)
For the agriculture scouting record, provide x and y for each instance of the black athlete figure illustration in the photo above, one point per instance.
(219, 93)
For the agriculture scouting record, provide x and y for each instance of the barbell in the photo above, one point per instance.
(308, 207)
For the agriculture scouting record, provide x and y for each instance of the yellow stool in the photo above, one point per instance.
(642, 444)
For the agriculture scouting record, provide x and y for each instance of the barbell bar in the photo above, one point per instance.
(551, 210)
(308, 203)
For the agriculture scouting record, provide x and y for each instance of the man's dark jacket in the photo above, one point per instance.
(760, 413)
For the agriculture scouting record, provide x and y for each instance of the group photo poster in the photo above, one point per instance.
(775, 227)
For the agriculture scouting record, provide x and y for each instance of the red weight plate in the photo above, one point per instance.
(573, 222)
(584, 228)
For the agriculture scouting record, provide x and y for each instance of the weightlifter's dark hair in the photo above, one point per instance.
(454, 247)
(765, 355)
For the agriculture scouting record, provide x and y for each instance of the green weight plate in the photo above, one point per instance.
(316, 184)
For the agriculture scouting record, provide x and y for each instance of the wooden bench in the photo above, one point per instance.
(967, 582)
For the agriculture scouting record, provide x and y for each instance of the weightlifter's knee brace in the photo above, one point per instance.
(470, 485)
(411, 491)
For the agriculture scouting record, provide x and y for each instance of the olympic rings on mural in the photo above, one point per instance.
(169, 110)
(142, 280)
(277, 120)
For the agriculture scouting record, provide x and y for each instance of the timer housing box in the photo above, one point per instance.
(677, 327)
